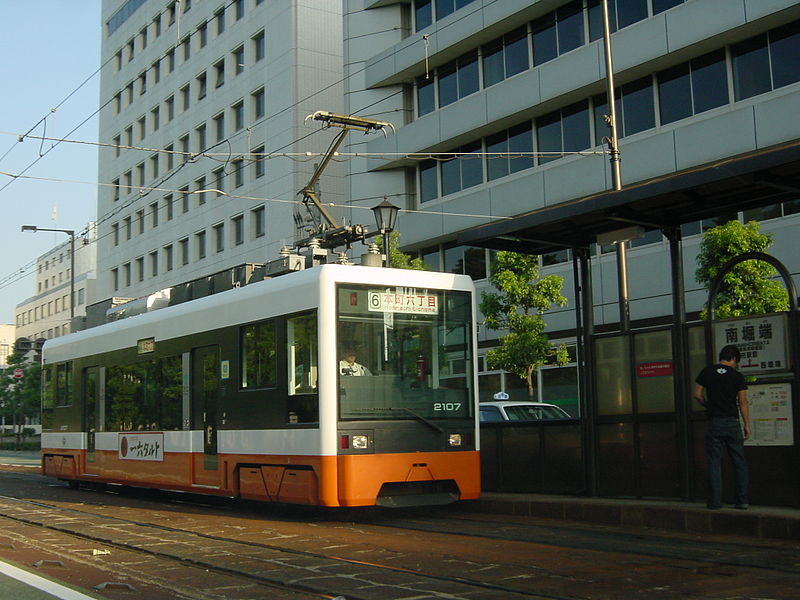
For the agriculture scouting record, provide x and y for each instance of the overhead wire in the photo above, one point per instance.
(171, 48)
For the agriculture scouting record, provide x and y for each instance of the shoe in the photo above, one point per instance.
(742, 506)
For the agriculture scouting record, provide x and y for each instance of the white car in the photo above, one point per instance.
(516, 410)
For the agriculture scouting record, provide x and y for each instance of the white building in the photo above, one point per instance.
(7, 339)
(201, 104)
(502, 80)
(46, 314)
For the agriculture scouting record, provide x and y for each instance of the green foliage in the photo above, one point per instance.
(747, 289)
(521, 300)
(398, 259)
(21, 398)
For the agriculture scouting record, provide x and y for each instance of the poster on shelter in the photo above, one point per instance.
(771, 421)
(761, 340)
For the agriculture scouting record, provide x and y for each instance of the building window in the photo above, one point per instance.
(257, 156)
(237, 110)
(154, 214)
(140, 220)
(126, 272)
(259, 46)
(154, 263)
(637, 106)
(239, 7)
(183, 249)
(140, 268)
(504, 145)
(200, 244)
(200, 184)
(169, 103)
(200, 137)
(200, 82)
(219, 237)
(219, 126)
(238, 229)
(169, 153)
(219, 180)
(238, 172)
(168, 258)
(462, 171)
(115, 233)
(428, 181)
(128, 229)
(565, 130)
(505, 56)
(168, 207)
(426, 96)
(171, 60)
(219, 71)
(258, 219)
(458, 79)
(259, 104)
(185, 98)
(154, 165)
(186, 45)
(238, 60)
(202, 34)
(115, 279)
(184, 192)
(219, 19)
(115, 190)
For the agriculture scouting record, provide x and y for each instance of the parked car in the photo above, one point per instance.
(517, 410)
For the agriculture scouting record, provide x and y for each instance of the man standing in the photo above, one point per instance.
(725, 397)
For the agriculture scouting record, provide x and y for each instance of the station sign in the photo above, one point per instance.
(761, 341)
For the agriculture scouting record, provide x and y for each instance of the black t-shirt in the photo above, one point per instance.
(723, 385)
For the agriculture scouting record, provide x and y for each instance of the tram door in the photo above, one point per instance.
(205, 399)
(91, 402)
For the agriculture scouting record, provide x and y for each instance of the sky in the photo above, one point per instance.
(50, 53)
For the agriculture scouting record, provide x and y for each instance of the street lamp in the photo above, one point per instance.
(385, 217)
(71, 234)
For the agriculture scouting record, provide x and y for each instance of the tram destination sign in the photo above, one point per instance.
(761, 341)
(403, 300)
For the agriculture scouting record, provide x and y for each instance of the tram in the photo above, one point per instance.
(337, 386)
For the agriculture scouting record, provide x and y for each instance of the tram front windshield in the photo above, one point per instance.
(404, 353)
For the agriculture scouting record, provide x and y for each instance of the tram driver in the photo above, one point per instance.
(349, 367)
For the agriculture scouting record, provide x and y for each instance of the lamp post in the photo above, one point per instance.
(385, 217)
(71, 234)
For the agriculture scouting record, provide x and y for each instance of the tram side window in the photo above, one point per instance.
(259, 356)
(48, 397)
(146, 396)
(63, 387)
(301, 350)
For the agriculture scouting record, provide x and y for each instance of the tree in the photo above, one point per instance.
(521, 300)
(21, 398)
(748, 288)
(398, 259)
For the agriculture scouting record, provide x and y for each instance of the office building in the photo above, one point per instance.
(46, 314)
(203, 108)
(486, 96)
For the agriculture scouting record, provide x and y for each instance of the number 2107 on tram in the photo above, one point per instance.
(334, 386)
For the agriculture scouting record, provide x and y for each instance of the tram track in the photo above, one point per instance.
(267, 564)
(659, 546)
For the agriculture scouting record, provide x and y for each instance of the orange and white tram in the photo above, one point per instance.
(334, 386)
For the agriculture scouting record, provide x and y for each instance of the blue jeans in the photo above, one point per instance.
(725, 432)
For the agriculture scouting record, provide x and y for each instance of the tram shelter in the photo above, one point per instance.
(635, 445)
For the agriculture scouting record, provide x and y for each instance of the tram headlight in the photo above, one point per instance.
(360, 442)
(455, 439)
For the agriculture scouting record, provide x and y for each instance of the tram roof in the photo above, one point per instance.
(745, 182)
(291, 293)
